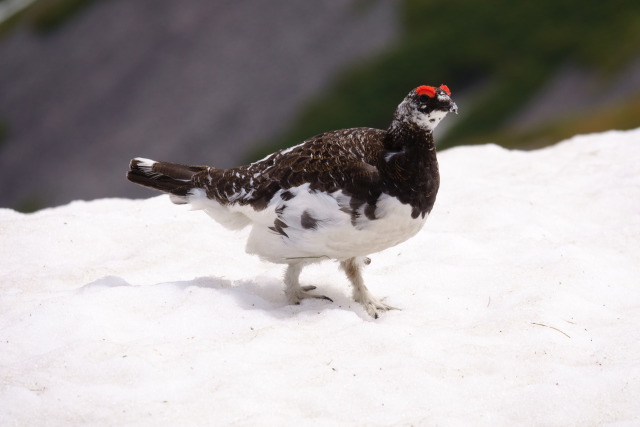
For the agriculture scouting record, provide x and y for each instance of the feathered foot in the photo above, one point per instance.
(294, 292)
(361, 294)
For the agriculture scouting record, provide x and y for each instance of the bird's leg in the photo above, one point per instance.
(294, 292)
(361, 294)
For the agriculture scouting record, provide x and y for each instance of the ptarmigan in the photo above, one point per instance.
(340, 195)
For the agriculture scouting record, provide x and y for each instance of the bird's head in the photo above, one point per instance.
(425, 106)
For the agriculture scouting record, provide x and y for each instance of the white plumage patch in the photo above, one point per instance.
(429, 121)
(228, 216)
(330, 231)
(146, 165)
(314, 225)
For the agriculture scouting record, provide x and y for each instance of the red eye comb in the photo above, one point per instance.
(446, 89)
(430, 91)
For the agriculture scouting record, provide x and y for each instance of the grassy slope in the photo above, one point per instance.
(46, 15)
(514, 45)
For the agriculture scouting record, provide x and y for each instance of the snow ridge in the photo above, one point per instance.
(520, 305)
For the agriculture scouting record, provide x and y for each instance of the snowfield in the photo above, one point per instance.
(520, 306)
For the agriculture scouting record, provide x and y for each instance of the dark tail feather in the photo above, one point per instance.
(171, 178)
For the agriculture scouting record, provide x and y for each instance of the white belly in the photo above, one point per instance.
(334, 236)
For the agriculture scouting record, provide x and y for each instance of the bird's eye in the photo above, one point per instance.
(423, 98)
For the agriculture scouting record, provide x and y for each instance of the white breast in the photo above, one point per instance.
(334, 235)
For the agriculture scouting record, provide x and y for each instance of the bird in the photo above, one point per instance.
(341, 195)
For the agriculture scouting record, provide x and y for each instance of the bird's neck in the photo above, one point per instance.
(410, 164)
(410, 142)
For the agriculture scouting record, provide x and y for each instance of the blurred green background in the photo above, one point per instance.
(524, 74)
(498, 52)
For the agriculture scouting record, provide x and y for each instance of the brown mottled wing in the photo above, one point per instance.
(330, 161)
(343, 159)
(326, 164)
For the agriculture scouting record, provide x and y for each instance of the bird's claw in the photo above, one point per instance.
(373, 306)
(302, 293)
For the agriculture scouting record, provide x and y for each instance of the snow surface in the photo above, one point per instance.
(520, 306)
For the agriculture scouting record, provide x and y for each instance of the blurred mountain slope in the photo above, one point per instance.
(515, 68)
(191, 81)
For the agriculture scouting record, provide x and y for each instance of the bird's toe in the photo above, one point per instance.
(374, 307)
(302, 293)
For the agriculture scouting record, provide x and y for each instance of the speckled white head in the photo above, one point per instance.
(426, 106)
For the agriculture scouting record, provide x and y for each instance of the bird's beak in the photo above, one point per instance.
(453, 108)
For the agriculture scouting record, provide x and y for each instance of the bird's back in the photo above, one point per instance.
(328, 162)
